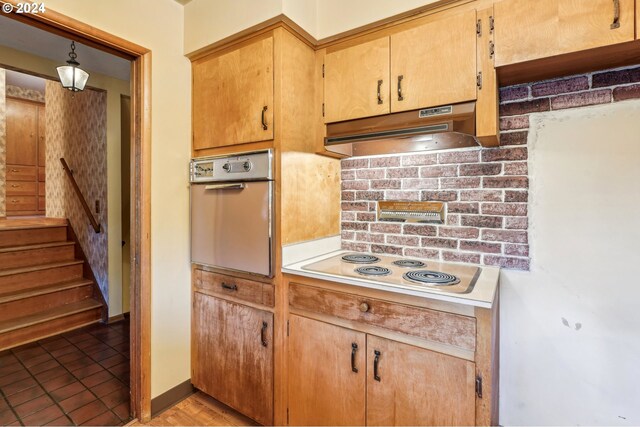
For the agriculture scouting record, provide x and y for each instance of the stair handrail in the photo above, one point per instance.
(95, 224)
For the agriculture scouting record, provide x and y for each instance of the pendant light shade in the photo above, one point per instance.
(71, 76)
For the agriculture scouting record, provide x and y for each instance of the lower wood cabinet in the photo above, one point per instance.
(232, 355)
(326, 371)
(408, 385)
(338, 376)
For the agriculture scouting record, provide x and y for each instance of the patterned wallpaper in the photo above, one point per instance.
(3, 144)
(77, 130)
(22, 93)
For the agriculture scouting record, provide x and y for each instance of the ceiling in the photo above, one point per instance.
(26, 81)
(23, 37)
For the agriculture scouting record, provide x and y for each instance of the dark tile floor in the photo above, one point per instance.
(77, 378)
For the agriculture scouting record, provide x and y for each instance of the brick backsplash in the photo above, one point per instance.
(485, 190)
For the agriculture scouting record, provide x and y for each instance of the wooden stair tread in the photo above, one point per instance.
(42, 290)
(35, 246)
(30, 223)
(29, 269)
(44, 316)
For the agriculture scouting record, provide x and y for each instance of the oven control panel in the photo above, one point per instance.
(236, 167)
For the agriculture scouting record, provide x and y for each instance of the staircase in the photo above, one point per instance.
(46, 285)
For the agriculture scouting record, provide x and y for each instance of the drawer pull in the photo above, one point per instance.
(15, 170)
(263, 118)
(229, 287)
(354, 349)
(364, 307)
(616, 15)
(263, 337)
(15, 201)
(376, 361)
(15, 186)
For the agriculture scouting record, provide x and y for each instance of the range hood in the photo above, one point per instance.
(440, 128)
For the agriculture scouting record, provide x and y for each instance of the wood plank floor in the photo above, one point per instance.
(199, 410)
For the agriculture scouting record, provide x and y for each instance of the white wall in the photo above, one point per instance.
(570, 327)
(208, 21)
(159, 25)
(337, 16)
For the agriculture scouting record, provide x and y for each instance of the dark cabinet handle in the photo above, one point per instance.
(263, 337)
(376, 360)
(379, 95)
(400, 96)
(354, 349)
(229, 287)
(263, 119)
(616, 15)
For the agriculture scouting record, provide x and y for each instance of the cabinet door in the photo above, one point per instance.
(323, 388)
(434, 64)
(356, 82)
(407, 385)
(527, 30)
(230, 360)
(233, 96)
(22, 129)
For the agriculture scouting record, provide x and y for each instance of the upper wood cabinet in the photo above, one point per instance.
(357, 81)
(407, 385)
(233, 96)
(22, 132)
(434, 64)
(425, 66)
(526, 30)
(232, 355)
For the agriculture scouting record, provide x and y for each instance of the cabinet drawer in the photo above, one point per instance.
(21, 173)
(247, 290)
(21, 188)
(432, 325)
(21, 203)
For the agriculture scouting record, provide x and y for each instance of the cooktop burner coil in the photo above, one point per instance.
(360, 258)
(373, 270)
(409, 263)
(428, 277)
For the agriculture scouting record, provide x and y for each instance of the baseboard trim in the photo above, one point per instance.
(171, 397)
(114, 319)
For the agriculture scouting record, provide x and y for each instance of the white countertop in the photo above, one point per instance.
(482, 295)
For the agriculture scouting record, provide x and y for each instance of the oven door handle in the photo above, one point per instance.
(236, 186)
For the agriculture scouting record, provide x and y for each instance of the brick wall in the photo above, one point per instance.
(486, 190)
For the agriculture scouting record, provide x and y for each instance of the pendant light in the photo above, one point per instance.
(71, 76)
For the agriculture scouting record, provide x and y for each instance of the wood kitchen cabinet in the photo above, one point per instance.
(232, 355)
(424, 66)
(25, 157)
(327, 374)
(408, 385)
(357, 81)
(526, 30)
(233, 95)
(434, 64)
(357, 358)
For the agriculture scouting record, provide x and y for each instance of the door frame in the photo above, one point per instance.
(140, 219)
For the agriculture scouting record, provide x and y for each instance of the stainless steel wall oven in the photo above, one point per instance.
(232, 212)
